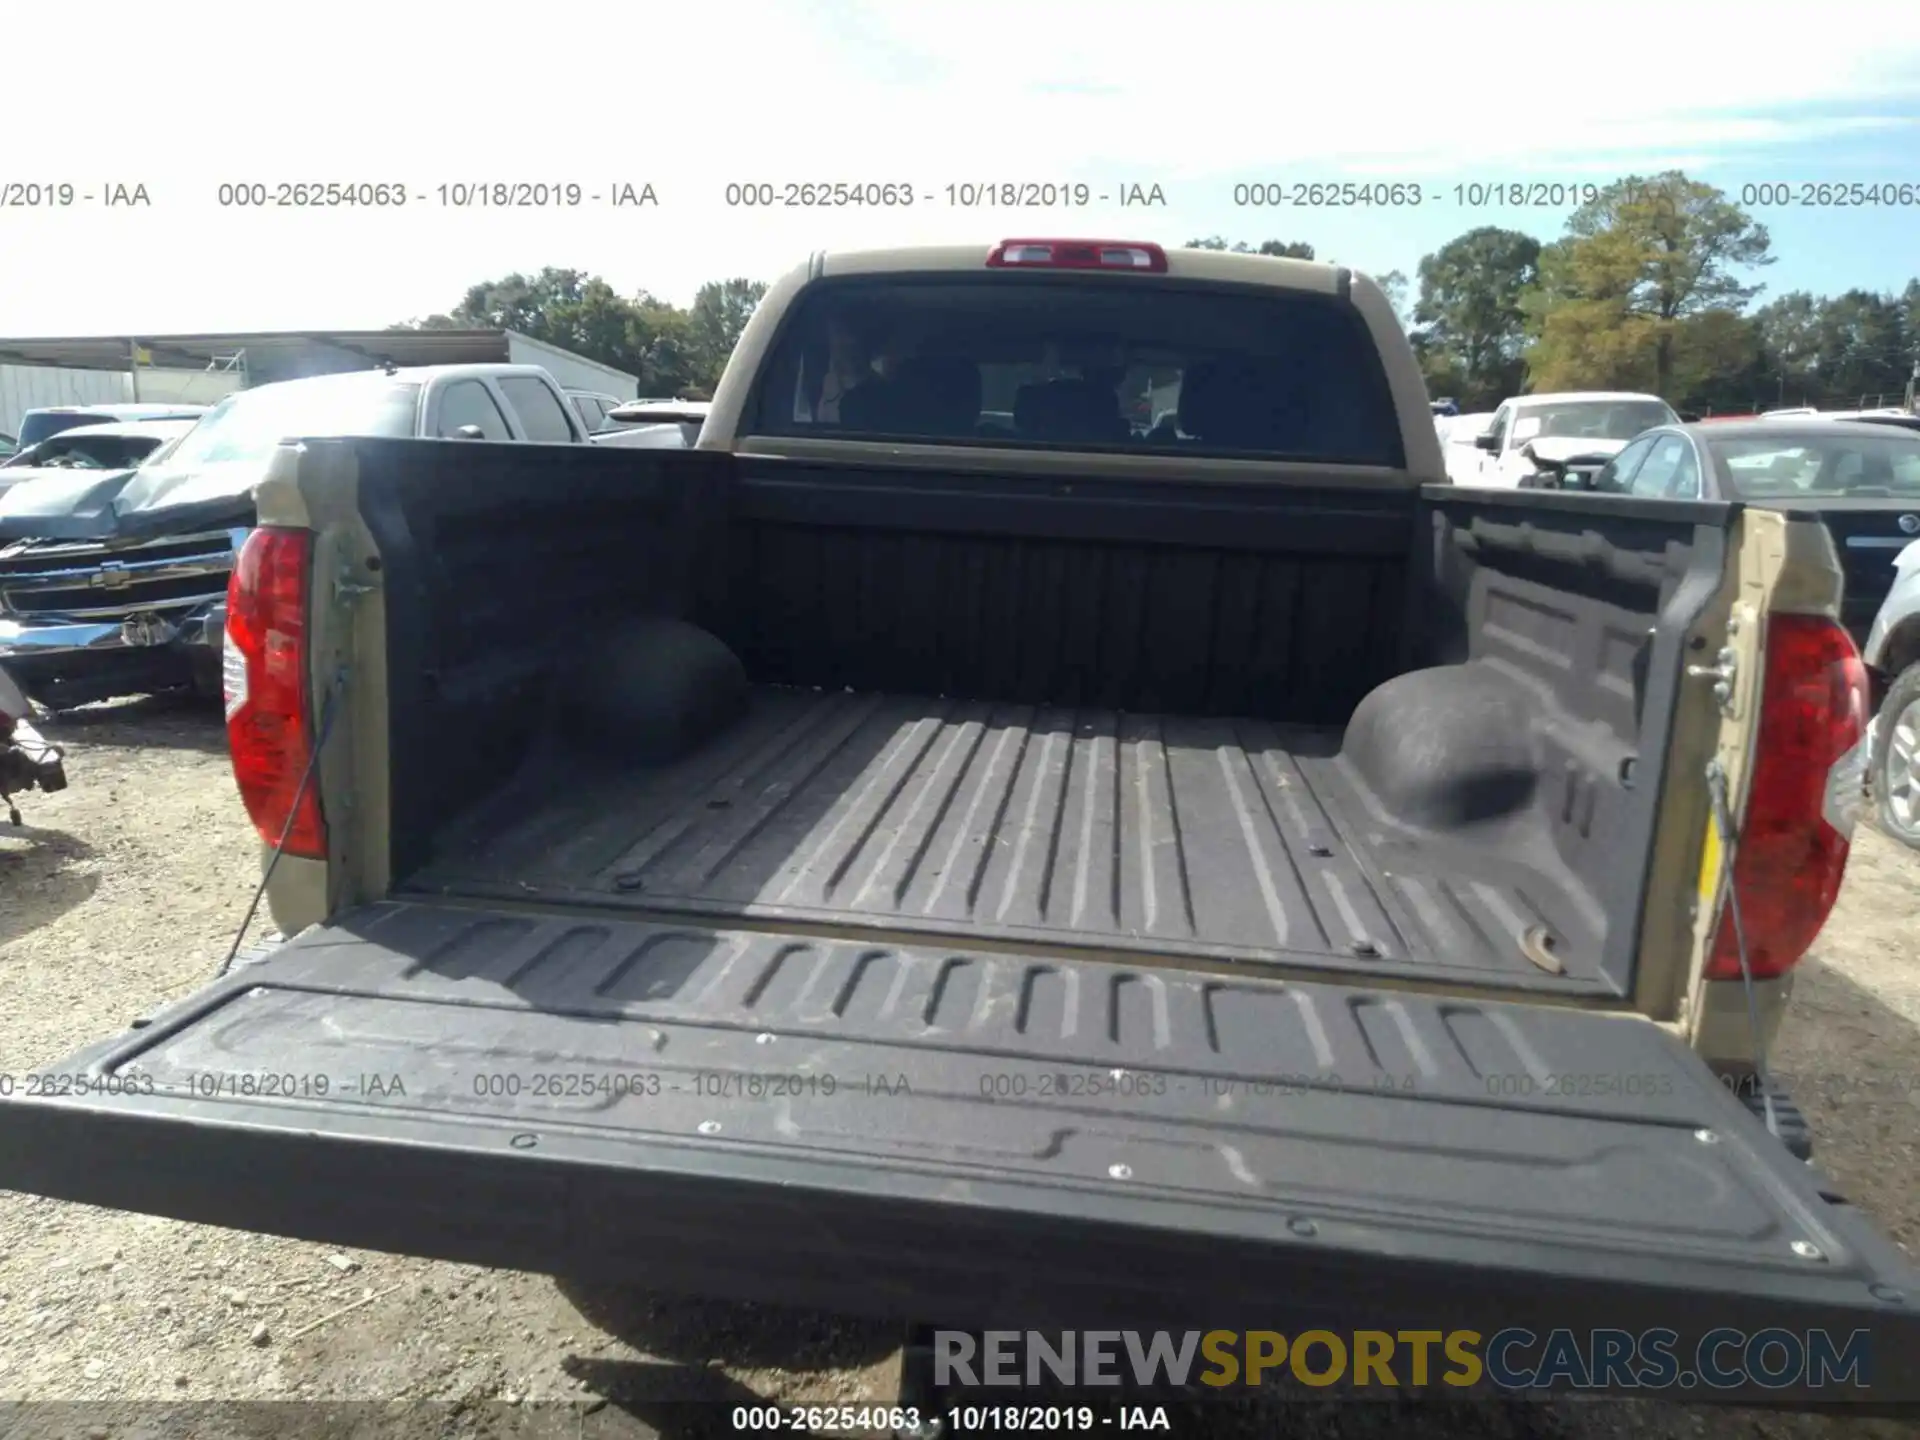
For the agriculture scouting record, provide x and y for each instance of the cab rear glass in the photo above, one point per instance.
(1063, 362)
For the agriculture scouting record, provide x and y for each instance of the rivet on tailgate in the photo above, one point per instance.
(763, 1038)
(1807, 1250)
(524, 1142)
(1887, 1293)
(1706, 1137)
(1300, 1225)
(1120, 1172)
(709, 1127)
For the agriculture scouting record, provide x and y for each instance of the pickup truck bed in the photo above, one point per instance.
(1221, 840)
(1200, 690)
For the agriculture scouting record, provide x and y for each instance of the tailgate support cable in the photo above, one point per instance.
(1729, 842)
(327, 710)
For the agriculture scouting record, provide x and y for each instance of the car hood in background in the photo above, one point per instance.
(1559, 449)
(106, 505)
(15, 475)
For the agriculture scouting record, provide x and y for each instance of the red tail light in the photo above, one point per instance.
(269, 728)
(1790, 861)
(1078, 255)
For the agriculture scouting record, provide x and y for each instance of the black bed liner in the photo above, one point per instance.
(1007, 1141)
(1234, 842)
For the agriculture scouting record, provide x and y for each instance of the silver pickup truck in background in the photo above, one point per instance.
(115, 583)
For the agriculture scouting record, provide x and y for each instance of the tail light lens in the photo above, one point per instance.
(1789, 863)
(265, 670)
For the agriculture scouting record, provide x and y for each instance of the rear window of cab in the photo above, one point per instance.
(1059, 361)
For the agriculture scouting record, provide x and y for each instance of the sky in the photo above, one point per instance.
(1196, 99)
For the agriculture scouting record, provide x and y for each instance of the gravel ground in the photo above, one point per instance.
(123, 892)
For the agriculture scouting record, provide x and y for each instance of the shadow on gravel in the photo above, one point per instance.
(673, 1402)
(39, 876)
(1852, 1064)
(744, 1337)
(177, 720)
(683, 1390)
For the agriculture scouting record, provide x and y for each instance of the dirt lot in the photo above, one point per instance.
(124, 891)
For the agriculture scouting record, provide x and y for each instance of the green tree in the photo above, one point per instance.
(644, 336)
(1638, 262)
(1866, 348)
(568, 308)
(1838, 349)
(1470, 328)
(720, 312)
(1721, 363)
(1284, 249)
(1790, 334)
(670, 361)
(1393, 285)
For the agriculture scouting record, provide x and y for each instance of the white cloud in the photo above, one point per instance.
(929, 92)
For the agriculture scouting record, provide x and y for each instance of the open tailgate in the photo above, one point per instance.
(960, 1138)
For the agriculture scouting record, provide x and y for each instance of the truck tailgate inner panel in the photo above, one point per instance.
(1202, 839)
(747, 1112)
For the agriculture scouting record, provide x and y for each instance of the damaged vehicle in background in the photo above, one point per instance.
(115, 583)
(1559, 441)
(47, 420)
(117, 446)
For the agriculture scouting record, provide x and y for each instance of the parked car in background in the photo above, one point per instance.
(37, 425)
(1862, 480)
(1892, 655)
(1887, 416)
(115, 583)
(637, 406)
(9, 444)
(656, 424)
(1582, 429)
(1460, 448)
(117, 446)
(592, 407)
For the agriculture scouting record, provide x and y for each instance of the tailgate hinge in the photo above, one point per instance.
(1723, 672)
